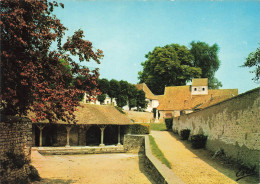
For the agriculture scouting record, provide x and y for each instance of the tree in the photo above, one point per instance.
(132, 94)
(141, 103)
(253, 60)
(121, 100)
(206, 58)
(114, 89)
(103, 85)
(102, 98)
(171, 65)
(33, 76)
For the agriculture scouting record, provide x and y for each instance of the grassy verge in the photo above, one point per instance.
(157, 152)
(158, 126)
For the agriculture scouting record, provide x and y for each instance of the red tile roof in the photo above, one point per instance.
(180, 98)
(148, 92)
(200, 82)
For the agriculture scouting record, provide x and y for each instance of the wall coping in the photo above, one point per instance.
(165, 172)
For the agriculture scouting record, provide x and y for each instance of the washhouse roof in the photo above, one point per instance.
(91, 114)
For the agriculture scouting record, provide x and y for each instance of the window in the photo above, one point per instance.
(203, 89)
(195, 89)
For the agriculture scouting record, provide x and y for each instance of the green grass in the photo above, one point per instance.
(158, 126)
(157, 152)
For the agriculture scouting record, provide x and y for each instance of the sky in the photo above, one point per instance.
(127, 30)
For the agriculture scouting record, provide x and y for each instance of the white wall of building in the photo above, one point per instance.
(199, 90)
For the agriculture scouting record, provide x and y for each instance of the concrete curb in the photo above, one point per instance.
(160, 172)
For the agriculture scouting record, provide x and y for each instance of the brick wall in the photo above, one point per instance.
(232, 125)
(15, 149)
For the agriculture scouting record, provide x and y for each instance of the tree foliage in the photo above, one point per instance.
(141, 103)
(171, 65)
(123, 92)
(102, 98)
(253, 60)
(114, 89)
(206, 58)
(33, 75)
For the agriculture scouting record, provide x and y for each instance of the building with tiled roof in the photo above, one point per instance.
(186, 99)
(152, 99)
(96, 125)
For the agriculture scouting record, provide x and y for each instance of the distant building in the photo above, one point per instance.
(186, 99)
(152, 99)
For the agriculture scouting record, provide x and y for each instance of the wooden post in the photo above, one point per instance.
(118, 136)
(68, 128)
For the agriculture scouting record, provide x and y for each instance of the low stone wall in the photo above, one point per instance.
(232, 125)
(79, 150)
(15, 149)
(134, 143)
(159, 172)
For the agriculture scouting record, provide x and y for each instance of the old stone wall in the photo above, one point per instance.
(15, 149)
(134, 143)
(232, 125)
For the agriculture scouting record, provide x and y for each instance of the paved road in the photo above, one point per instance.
(92, 168)
(185, 164)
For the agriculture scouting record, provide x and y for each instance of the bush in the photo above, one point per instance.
(198, 141)
(185, 133)
(168, 123)
(17, 160)
(139, 129)
(34, 175)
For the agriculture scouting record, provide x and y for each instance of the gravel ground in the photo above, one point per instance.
(194, 168)
(92, 168)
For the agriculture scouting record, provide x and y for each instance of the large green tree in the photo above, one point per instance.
(206, 58)
(171, 65)
(253, 60)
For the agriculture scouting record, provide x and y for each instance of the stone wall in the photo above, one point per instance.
(232, 125)
(15, 149)
(134, 143)
(158, 171)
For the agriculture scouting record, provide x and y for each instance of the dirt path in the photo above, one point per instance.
(187, 165)
(92, 168)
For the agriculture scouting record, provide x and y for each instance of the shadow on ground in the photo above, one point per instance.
(227, 168)
(142, 167)
(54, 181)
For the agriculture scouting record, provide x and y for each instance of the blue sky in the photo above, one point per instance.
(127, 30)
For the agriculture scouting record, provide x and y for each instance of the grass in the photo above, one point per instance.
(158, 126)
(157, 152)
